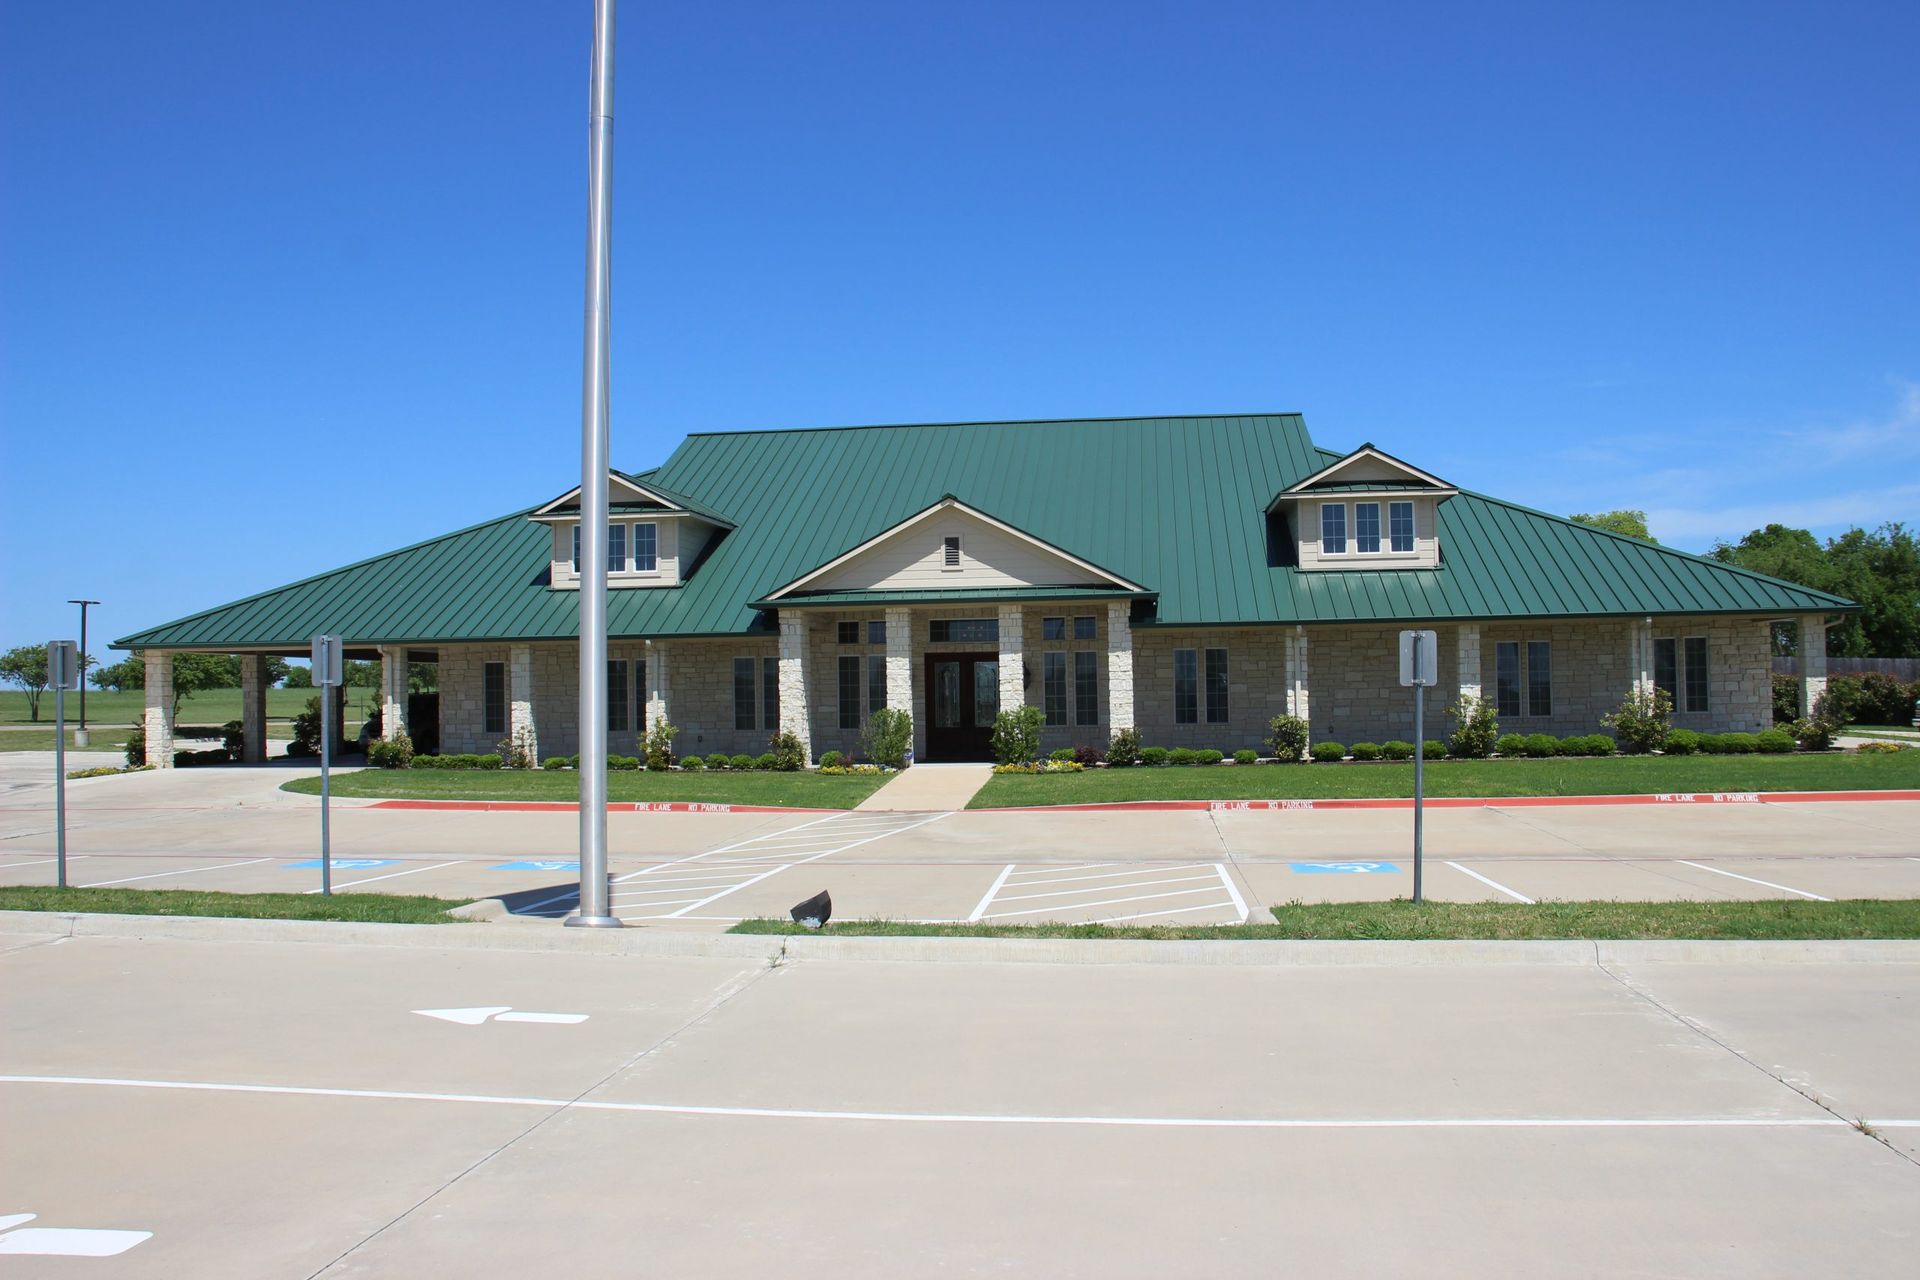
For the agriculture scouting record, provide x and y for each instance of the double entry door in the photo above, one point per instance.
(963, 696)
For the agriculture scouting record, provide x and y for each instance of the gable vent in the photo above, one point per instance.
(953, 551)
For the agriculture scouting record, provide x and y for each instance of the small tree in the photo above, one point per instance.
(1642, 721)
(659, 744)
(887, 738)
(197, 672)
(1477, 727)
(788, 755)
(1124, 749)
(1817, 731)
(128, 673)
(1287, 738)
(1016, 735)
(26, 666)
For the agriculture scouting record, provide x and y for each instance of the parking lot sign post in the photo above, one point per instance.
(1419, 671)
(63, 673)
(329, 666)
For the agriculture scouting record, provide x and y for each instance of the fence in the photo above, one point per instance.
(1904, 669)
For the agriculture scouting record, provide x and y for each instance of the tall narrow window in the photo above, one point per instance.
(1666, 669)
(743, 693)
(1400, 525)
(493, 697)
(576, 548)
(950, 551)
(1053, 628)
(846, 632)
(1053, 667)
(1506, 678)
(1216, 686)
(876, 683)
(1366, 528)
(1086, 687)
(1697, 673)
(1186, 686)
(640, 690)
(1539, 678)
(770, 693)
(617, 696)
(646, 541)
(1333, 528)
(616, 548)
(1086, 627)
(850, 691)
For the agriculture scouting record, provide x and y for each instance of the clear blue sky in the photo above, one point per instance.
(286, 285)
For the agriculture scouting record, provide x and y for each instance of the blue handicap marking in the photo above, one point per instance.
(1343, 868)
(343, 864)
(535, 865)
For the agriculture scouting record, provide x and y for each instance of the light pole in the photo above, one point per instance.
(80, 738)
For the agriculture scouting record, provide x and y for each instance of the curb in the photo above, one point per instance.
(1462, 802)
(569, 806)
(668, 944)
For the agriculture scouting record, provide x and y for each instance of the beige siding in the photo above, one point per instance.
(1426, 537)
(677, 539)
(914, 559)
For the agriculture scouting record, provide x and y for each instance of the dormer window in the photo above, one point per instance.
(951, 550)
(1366, 528)
(1333, 528)
(1400, 525)
(645, 539)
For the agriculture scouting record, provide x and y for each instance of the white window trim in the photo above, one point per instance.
(628, 574)
(1346, 530)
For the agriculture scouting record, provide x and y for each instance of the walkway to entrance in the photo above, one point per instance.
(927, 788)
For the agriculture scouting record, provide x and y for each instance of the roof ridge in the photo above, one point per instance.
(995, 422)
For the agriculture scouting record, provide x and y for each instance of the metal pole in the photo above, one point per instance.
(326, 787)
(595, 907)
(1419, 760)
(60, 779)
(80, 735)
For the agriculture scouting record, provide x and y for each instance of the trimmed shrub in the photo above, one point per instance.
(693, 764)
(1682, 742)
(516, 750)
(1433, 749)
(719, 760)
(136, 748)
(1287, 738)
(1588, 744)
(1365, 750)
(1063, 754)
(1124, 749)
(1476, 729)
(831, 759)
(393, 753)
(1246, 755)
(1511, 744)
(1087, 756)
(1209, 756)
(1329, 752)
(1540, 745)
(888, 738)
(1016, 735)
(1738, 744)
(1774, 742)
(1183, 756)
(766, 762)
(491, 760)
(1153, 757)
(787, 753)
(233, 735)
(741, 761)
(1396, 750)
(1641, 722)
(623, 764)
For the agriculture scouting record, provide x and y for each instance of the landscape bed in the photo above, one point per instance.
(1401, 920)
(796, 790)
(1557, 776)
(364, 908)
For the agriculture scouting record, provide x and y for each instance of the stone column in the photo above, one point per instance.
(900, 660)
(657, 677)
(1013, 658)
(1813, 660)
(1640, 656)
(1297, 701)
(158, 721)
(1467, 641)
(521, 729)
(253, 707)
(393, 692)
(1119, 665)
(796, 715)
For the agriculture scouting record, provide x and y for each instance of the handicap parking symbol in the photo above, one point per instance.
(343, 864)
(1343, 868)
(537, 865)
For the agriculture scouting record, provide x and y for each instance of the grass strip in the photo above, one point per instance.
(364, 908)
(805, 790)
(1401, 920)
(1569, 776)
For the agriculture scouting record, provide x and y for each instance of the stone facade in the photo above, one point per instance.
(393, 692)
(157, 722)
(1256, 685)
(1813, 661)
(253, 708)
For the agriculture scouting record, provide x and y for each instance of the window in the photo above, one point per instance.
(616, 548)
(1333, 528)
(1696, 673)
(770, 693)
(1186, 687)
(1666, 669)
(1053, 628)
(1054, 685)
(1086, 687)
(1216, 686)
(1366, 528)
(850, 691)
(640, 688)
(646, 541)
(1506, 678)
(971, 630)
(1539, 678)
(876, 633)
(950, 548)
(847, 632)
(743, 693)
(617, 696)
(493, 697)
(576, 548)
(876, 683)
(1400, 526)
(1085, 628)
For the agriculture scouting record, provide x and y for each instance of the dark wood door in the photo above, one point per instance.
(963, 695)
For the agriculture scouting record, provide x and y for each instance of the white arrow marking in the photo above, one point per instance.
(15, 1219)
(498, 1013)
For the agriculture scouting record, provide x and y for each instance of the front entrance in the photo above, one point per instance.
(963, 696)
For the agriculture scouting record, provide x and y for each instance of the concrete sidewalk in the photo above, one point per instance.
(930, 788)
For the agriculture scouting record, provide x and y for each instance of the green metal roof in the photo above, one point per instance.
(1177, 505)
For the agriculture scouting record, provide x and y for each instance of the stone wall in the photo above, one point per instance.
(1256, 685)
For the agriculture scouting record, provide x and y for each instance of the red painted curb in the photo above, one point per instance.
(568, 806)
(1464, 802)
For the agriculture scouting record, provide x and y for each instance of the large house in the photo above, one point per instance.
(1188, 577)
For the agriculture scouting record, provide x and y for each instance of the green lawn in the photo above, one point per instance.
(111, 738)
(374, 908)
(212, 706)
(1401, 920)
(808, 790)
(1572, 776)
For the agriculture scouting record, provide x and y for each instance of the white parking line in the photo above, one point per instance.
(39, 862)
(1103, 875)
(1239, 903)
(1750, 880)
(393, 874)
(158, 874)
(1106, 902)
(1491, 884)
(991, 890)
(869, 839)
(1148, 915)
(1048, 869)
(1134, 884)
